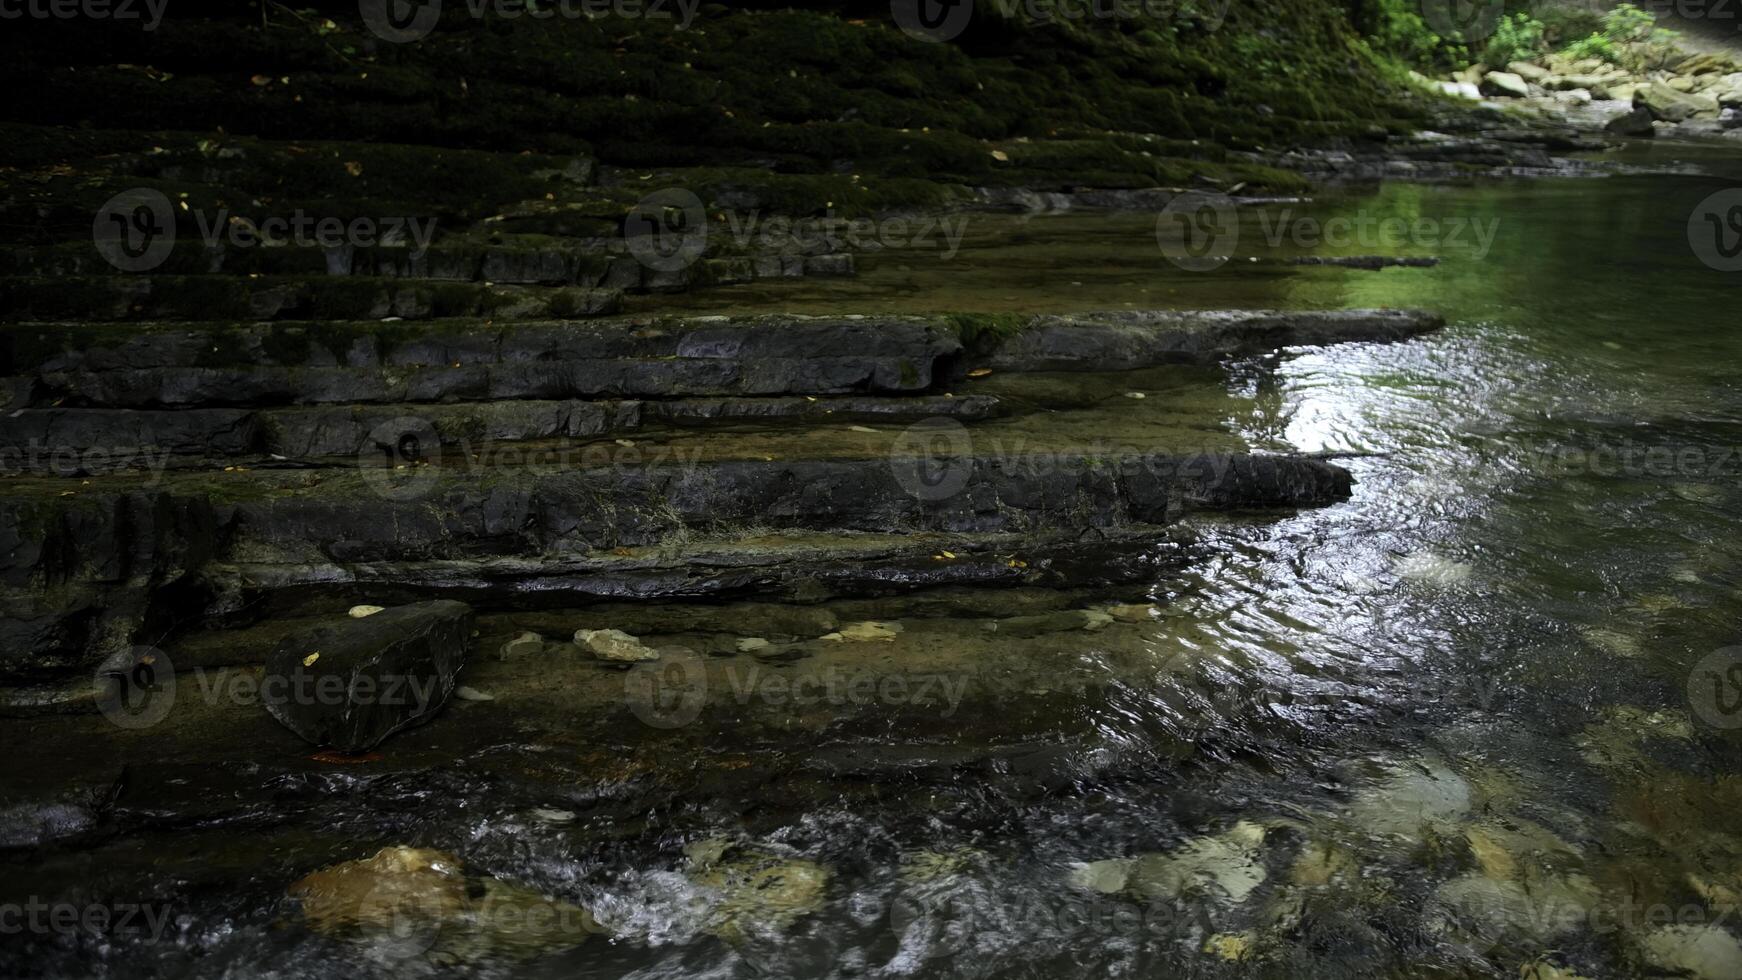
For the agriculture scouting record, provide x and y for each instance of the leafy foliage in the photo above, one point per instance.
(1517, 37)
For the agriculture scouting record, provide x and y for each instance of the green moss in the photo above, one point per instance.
(973, 328)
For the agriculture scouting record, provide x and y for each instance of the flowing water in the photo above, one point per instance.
(1476, 719)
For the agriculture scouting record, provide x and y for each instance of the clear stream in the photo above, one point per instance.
(1472, 722)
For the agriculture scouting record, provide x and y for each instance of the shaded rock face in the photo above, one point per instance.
(1670, 105)
(351, 684)
(81, 574)
(1635, 123)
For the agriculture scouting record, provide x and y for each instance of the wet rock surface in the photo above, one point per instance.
(351, 683)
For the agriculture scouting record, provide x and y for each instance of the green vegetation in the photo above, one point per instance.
(1517, 37)
(1625, 31)
(830, 110)
(1596, 46)
(1395, 29)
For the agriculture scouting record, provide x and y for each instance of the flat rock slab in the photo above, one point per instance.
(264, 364)
(62, 440)
(350, 683)
(1139, 339)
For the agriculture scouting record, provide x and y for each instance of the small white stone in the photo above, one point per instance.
(751, 644)
(358, 612)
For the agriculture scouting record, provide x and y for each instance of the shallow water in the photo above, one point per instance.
(1462, 724)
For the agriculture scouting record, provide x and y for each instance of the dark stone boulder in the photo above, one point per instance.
(1634, 123)
(351, 683)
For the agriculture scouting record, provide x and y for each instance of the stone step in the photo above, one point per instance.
(93, 441)
(600, 263)
(84, 569)
(115, 298)
(263, 364)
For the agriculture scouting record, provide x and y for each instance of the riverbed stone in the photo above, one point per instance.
(614, 645)
(1528, 71)
(758, 892)
(1706, 951)
(1222, 867)
(350, 683)
(1635, 122)
(1671, 105)
(526, 644)
(1504, 83)
(380, 892)
(864, 632)
(1133, 612)
(407, 902)
(1542, 908)
(1411, 797)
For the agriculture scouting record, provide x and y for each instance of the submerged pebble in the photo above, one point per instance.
(1412, 797)
(1222, 866)
(522, 645)
(758, 892)
(864, 632)
(1431, 569)
(1706, 951)
(614, 645)
(1135, 613)
(406, 901)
